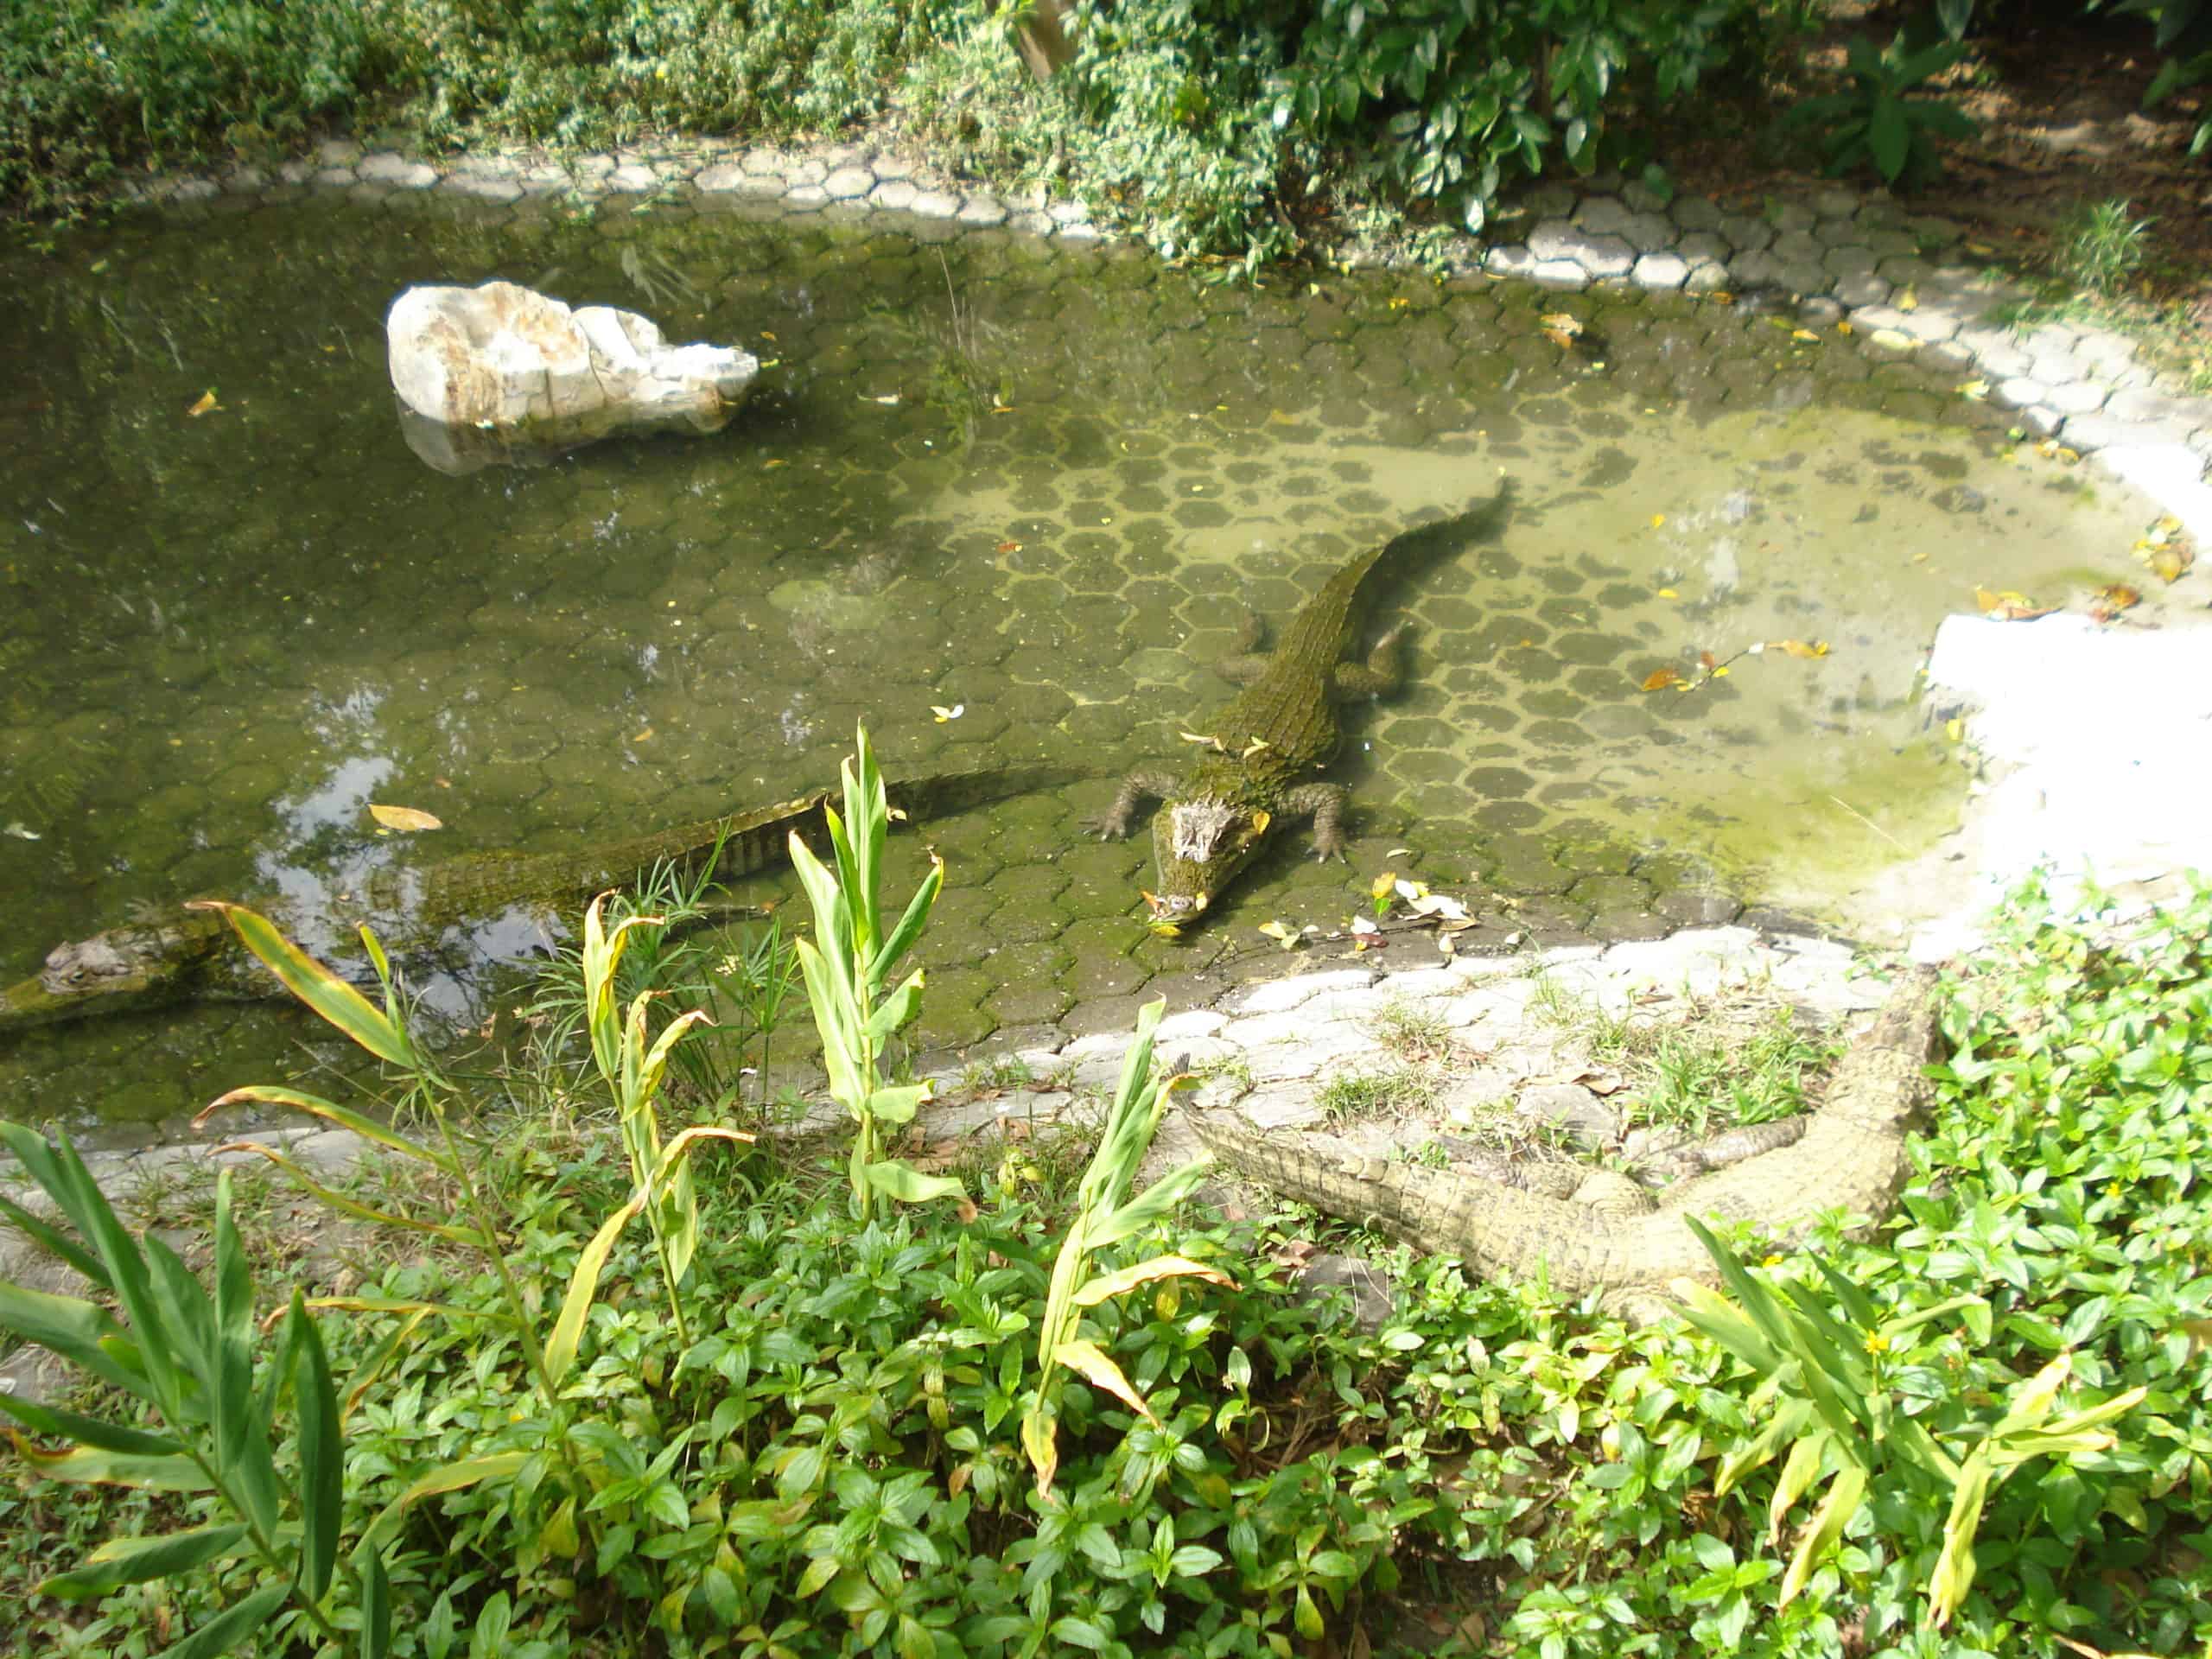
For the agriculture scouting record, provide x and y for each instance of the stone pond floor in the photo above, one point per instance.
(1912, 287)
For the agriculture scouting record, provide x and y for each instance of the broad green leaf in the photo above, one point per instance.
(226, 1633)
(322, 1455)
(54, 1241)
(897, 1104)
(910, 1186)
(1091, 1362)
(488, 1639)
(1108, 1285)
(54, 1423)
(242, 1449)
(895, 1010)
(93, 1466)
(910, 923)
(344, 1117)
(583, 1288)
(1154, 1205)
(135, 1561)
(448, 1477)
(73, 1329)
(376, 1609)
(314, 984)
(1889, 134)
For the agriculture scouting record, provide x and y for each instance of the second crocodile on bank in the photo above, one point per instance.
(1265, 748)
(461, 909)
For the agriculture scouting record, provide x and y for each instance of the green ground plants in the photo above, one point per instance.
(830, 1460)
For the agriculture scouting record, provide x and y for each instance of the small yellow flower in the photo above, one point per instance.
(1877, 1342)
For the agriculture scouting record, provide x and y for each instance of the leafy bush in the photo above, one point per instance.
(1879, 120)
(87, 87)
(827, 1460)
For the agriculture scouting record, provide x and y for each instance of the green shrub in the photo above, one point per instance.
(88, 86)
(1879, 120)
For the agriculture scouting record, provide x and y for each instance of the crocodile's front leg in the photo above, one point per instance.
(1145, 784)
(1381, 674)
(1326, 804)
(1246, 662)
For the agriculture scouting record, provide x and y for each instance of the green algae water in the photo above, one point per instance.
(1036, 485)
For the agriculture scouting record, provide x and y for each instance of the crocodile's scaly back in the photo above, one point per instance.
(1851, 1158)
(1271, 744)
(192, 953)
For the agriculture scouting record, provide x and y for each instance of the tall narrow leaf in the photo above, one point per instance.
(314, 984)
(322, 1455)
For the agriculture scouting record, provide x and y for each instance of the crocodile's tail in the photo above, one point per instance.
(945, 792)
(1329, 1176)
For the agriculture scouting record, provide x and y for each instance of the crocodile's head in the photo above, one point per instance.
(114, 972)
(1198, 845)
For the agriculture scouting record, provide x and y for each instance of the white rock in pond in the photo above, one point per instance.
(502, 358)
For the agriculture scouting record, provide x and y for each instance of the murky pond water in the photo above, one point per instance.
(1039, 486)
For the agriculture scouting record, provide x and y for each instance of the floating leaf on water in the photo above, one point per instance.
(944, 714)
(1668, 593)
(771, 466)
(1954, 729)
(1799, 649)
(644, 736)
(1560, 337)
(1260, 820)
(1843, 328)
(1399, 852)
(207, 406)
(1909, 300)
(1009, 547)
(1660, 679)
(1564, 322)
(1206, 742)
(1290, 938)
(1804, 334)
(889, 400)
(1974, 390)
(403, 818)
(2107, 603)
(21, 831)
(1253, 748)
(1411, 889)
(1708, 662)
(1657, 519)
(2009, 606)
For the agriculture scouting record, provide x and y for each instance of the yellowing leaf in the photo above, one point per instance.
(1206, 742)
(1283, 934)
(1909, 300)
(1657, 519)
(1668, 593)
(207, 406)
(944, 714)
(1253, 748)
(2169, 562)
(1091, 1362)
(1974, 390)
(403, 818)
(1954, 729)
(1561, 321)
(1843, 328)
(1009, 547)
(1798, 648)
(1804, 334)
(1659, 679)
(644, 736)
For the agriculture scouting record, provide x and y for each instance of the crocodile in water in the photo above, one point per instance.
(1610, 1236)
(460, 909)
(1265, 746)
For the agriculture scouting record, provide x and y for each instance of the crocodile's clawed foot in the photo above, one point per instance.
(1328, 846)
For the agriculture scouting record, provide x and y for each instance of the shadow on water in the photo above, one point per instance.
(1041, 487)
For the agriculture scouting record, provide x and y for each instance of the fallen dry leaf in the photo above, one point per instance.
(1798, 648)
(2009, 606)
(1659, 679)
(403, 818)
(207, 406)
